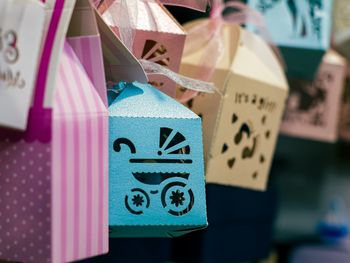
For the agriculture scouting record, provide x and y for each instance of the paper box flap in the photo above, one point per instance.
(199, 5)
(254, 51)
(151, 16)
(74, 92)
(82, 22)
(230, 35)
(332, 57)
(155, 231)
(59, 12)
(136, 101)
(242, 50)
(120, 64)
(84, 38)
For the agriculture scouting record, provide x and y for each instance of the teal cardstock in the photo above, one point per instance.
(301, 29)
(156, 170)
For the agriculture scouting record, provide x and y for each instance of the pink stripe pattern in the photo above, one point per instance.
(89, 51)
(54, 195)
(79, 111)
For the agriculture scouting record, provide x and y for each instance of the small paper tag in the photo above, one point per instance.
(21, 30)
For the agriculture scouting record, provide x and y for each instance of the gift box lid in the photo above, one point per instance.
(242, 50)
(334, 58)
(256, 52)
(74, 92)
(151, 16)
(147, 102)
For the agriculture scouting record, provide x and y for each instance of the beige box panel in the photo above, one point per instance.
(244, 142)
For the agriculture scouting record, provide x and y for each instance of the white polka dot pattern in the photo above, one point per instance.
(25, 197)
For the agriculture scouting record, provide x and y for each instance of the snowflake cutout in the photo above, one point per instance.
(137, 200)
(177, 198)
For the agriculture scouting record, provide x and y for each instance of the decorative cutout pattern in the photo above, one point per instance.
(176, 197)
(304, 14)
(247, 139)
(157, 84)
(307, 101)
(156, 52)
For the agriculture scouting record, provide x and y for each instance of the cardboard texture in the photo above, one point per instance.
(156, 180)
(54, 181)
(158, 38)
(301, 29)
(313, 107)
(341, 27)
(241, 126)
(119, 63)
(344, 124)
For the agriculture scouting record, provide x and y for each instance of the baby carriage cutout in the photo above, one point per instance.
(156, 169)
(175, 196)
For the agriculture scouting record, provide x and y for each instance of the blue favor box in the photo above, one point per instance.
(156, 169)
(301, 29)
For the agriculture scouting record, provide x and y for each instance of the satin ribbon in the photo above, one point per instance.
(190, 83)
(124, 14)
(209, 34)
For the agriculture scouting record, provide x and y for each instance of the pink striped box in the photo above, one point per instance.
(313, 107)
(54, 176)
(158, 37)
(86, 43)
(53, 197)
(54, 191)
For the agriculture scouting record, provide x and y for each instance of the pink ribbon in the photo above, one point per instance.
(124, 14)
(208, 34)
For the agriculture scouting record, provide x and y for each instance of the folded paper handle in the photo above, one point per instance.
(38, 103)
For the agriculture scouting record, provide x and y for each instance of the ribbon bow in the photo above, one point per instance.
(208, 34)
(124, 14)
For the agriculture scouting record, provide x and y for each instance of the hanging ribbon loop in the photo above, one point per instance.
(186, 82)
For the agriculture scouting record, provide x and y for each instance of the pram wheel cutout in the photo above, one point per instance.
(178, 198)
(136, 201)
